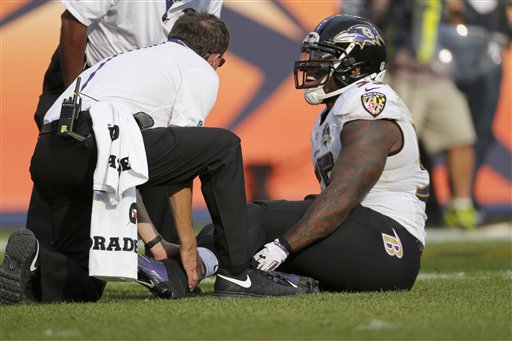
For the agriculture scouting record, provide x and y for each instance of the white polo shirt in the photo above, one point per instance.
(168, 81)
(115, 26)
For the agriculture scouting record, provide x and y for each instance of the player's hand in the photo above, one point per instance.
(271, 256)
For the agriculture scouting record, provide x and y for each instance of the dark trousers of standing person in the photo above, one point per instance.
(483, 96)
(355, 257)
(38, 215)
(62, 170)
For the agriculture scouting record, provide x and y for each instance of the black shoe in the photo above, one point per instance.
(19, 266)
(154, 275)
(257, 283)
(304, 285)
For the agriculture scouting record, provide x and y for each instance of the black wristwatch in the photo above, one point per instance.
(153, 242)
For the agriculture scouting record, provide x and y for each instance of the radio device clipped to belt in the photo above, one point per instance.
(69, 115)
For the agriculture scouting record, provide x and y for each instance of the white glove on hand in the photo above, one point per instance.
(271, 256)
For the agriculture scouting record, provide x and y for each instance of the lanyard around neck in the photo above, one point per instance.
(168, 5)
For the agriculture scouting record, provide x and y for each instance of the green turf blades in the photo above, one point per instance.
(463, 293)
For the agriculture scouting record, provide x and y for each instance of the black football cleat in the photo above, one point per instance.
(304, 285)
(258, 283)
(165, 279)
(19, 266)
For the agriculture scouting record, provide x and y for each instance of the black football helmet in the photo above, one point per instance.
(339, 44)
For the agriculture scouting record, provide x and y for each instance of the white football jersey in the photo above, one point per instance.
(115, 26)
(168, 81)
(402, 190)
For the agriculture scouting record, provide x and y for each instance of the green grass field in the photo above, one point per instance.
(464, 292)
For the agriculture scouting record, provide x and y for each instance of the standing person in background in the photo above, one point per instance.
(91, 31)
(439, 109)
(481, 84)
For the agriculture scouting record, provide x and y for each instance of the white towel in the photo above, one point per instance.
(120, 167)
(113, 254)
(119, 140)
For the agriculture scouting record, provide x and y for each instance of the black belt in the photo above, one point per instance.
(144, 121)
(83, 125)
(49, 128)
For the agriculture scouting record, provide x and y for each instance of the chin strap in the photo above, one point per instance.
(317, 95)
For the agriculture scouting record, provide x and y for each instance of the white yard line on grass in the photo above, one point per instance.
(377, 325)
(3, 242)
(502, 231)
(434, 276)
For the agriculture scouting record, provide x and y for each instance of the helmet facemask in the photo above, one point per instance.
(338, 46)
(316, 65)
(314, 68)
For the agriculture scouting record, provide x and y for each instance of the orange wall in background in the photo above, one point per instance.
(26, 47)
(275, 133)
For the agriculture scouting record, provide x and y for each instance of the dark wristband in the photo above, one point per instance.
(153, 242)
(285, 243)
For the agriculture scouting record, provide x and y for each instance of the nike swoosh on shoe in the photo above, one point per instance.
(147, 284)
(244, 284)
(33, 264)
(292, 284)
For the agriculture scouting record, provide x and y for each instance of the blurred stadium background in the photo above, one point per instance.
(257, 100)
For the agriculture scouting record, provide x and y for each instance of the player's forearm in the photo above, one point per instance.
(329, 210)
(73, 40)
(357, 169)
(322, 218)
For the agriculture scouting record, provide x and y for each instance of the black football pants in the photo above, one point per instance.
(352, 258)
(62, 170)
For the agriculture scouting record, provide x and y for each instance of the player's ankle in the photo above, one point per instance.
(158, 252)
(461, 203)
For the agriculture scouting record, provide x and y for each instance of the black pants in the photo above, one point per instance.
(353, 258)
(62, 170)
(38, 215)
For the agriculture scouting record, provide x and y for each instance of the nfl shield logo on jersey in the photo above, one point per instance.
(374, 102)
